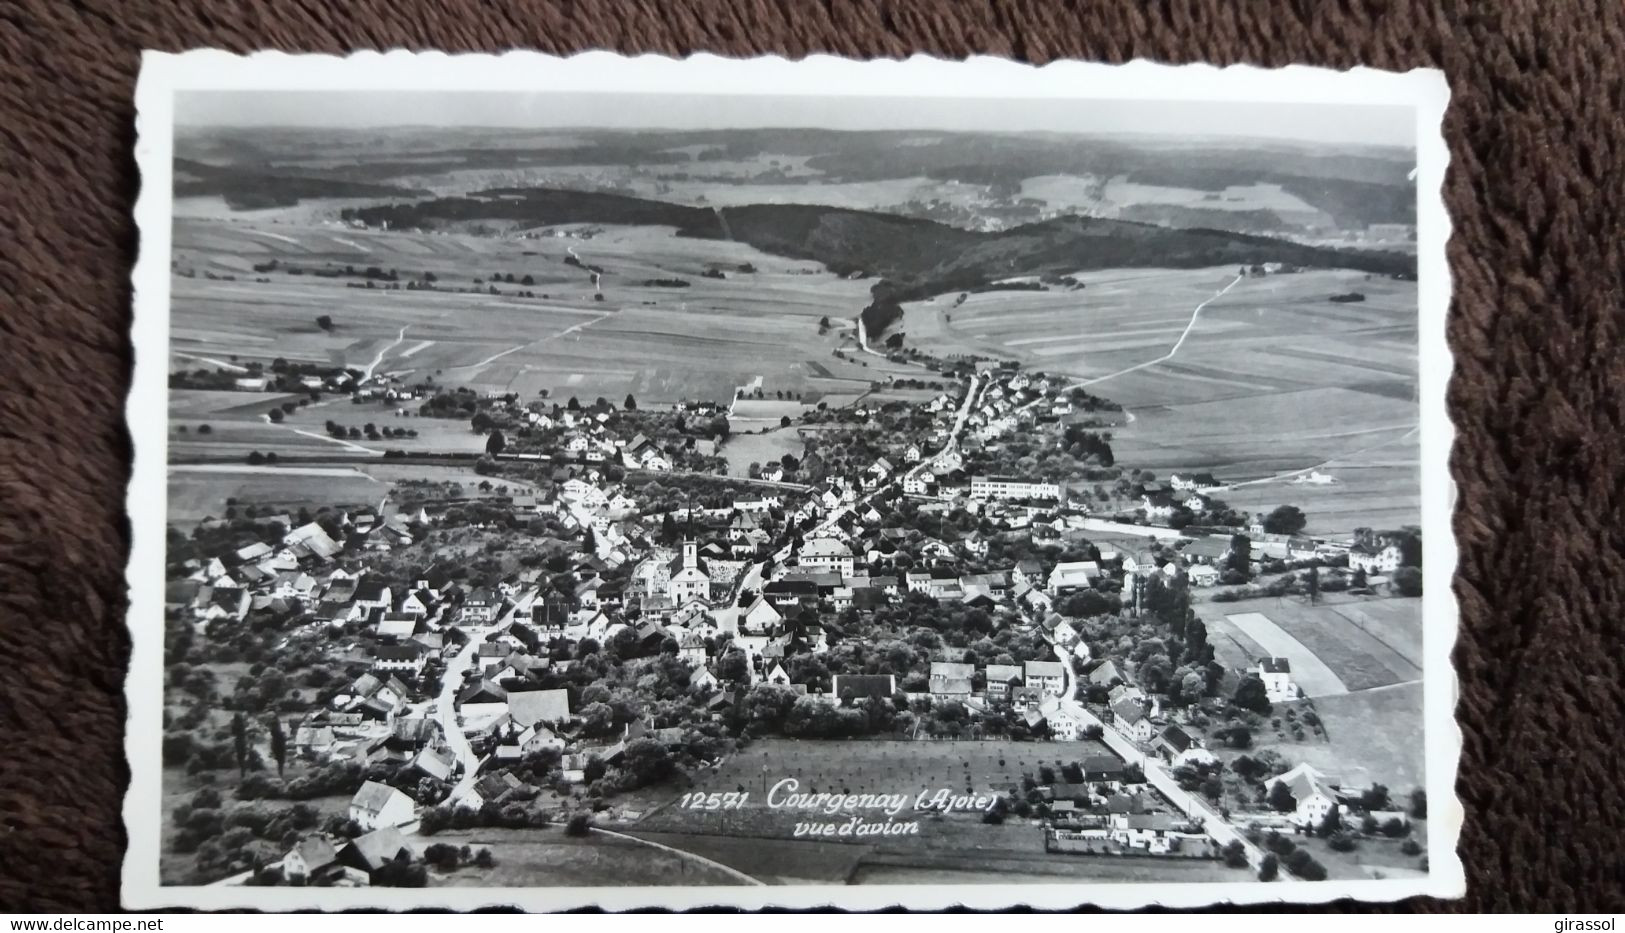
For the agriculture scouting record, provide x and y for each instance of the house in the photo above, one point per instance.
(497, 787)
(1103, 771)
(222, 602)
(371, 594)
(1106, 674)
(312, 741)
(1069, 576)
(1063, 717)
(827, 554)
(912, 453)
(313, 854)
(1193, 482)
(529, 707)
(919, 484)
(951, 680)
(378, 805)
(404, 658)
(1314, 794)
(1131, 719)
(396, 625)
(438, 763)
(688, 576)
(777, 676)
(481, 606)
(1029, 572)
(374, 850)
(1276, 673)
(1001, 680)
(1158, 506)
(1374, 560)
(1048, 676)
(993, 585)
(1009, 487)
(1203, 575)
(762, 616)
(847, 688)
(1178, 747)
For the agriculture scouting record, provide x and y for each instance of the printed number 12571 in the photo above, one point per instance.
(728, 801)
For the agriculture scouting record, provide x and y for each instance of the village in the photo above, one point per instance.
(904, 589)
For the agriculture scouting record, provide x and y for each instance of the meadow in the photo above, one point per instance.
(661, 342)
(1271, 382)
(1345, 644)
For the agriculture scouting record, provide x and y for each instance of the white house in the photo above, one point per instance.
(829, 554)
(1374, 560)
(1048, 676)
(1276, 673)
(1314, 793)
(378, 805)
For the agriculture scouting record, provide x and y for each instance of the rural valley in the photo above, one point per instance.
(598, 507)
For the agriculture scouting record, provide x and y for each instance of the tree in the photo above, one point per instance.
(1269, 868)
(239, 742)
(1408, 581)
(495, 443)
(1419, 804)
(1285, 520)
(205, 429)
(784, 421)
(1235, 854)
(480, 422)
(255, 457)
(276, 416)
(1239, 558)
(1281, 798)
(579, 825)
(1312, 585)
(573, 404)
(325, 322)
(631, 404)
(1251, 695)
(279, 744)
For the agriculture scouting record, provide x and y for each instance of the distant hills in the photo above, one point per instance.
(910, 258)
(248, 188)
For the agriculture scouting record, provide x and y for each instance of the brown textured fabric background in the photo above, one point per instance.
(1535, 189)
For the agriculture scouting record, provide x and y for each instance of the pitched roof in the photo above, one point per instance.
(1129, 711)
(876, 686)
(373, 796)
(1003, 673)
(379, 847)
(316, 852)
(529, 707)
(1044, 669)
(1275, 665)
(1105, 673)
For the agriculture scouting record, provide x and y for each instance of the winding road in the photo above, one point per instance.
(379, 359)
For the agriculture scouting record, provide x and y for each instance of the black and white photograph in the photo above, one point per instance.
(641, 483)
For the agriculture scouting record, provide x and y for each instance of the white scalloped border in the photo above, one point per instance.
(162, 74)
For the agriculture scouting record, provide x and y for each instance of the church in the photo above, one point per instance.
(687, 576)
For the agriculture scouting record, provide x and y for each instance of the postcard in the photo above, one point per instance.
(637, 482)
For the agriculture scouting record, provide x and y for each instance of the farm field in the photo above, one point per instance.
(200, 492)
(661, 343)
(1312, 675)
(744, 449)
(1373, 736)
(1344, 644)
(548, 858)
(1272, 379)
(1046, 869)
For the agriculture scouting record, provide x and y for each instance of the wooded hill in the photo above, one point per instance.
(910, 258)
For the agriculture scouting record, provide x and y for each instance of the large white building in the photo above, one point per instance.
(688, 578)
(829, 554)
(1009, 487)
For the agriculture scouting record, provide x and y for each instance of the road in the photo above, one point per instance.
(1189, 326)
(972, 394)
(445, 713)
(379, 359)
